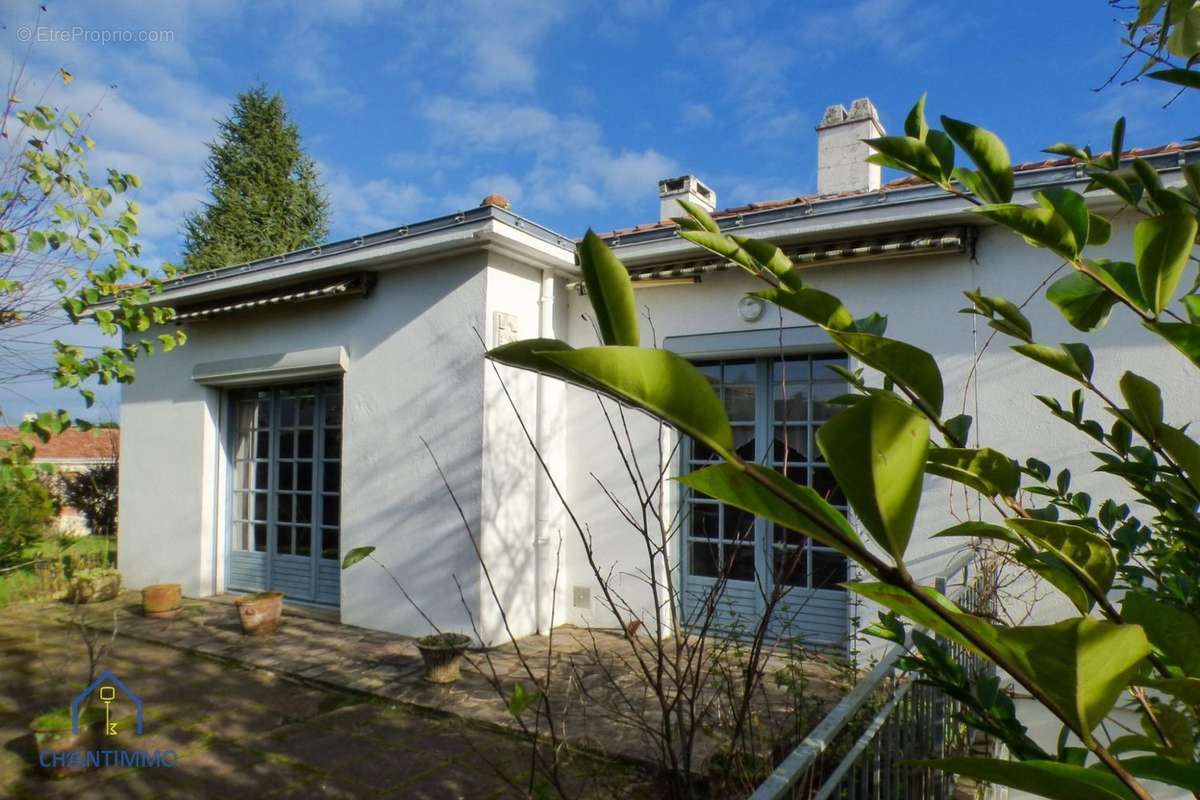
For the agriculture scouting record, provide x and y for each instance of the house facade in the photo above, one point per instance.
(71, 453)
(334, 398)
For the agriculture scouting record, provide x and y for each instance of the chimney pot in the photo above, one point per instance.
(685, 187)
(841, 154)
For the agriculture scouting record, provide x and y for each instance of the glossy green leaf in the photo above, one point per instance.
(876, 449)
(1185, 337)
(1145, 402)
(984, 470)
(1120, 278)
(1051, 779)
(1172, 630)
(1182, 449)
(1071, 207)
(915, 126)
(1118, 183)
(906, 154)
(1010, 319)
(610, 292)
(1041, 227)
(989, 154)
(657, 381)
(1186, 690)
(1165, 770)
(1161, 246)
(1180, 77)
(781, 501)
(772, 259)
(814, 305)
(1118, 143)
(1089, 556)
(356, 555)
(1084, 302)
(1056, 358)
(980, 530)
(701, 216)
(1058, 574)
(1099, 230)
(907, 365)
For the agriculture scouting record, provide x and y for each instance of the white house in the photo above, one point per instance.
(290, 428)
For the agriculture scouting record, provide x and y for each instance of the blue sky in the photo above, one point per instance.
(573, 110)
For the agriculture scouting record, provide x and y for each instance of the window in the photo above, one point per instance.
(287, 471)
(775, 408)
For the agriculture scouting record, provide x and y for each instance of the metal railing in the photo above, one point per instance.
(860, 752)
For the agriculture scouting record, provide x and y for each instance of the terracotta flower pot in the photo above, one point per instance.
(54, 734)
(260, 613)
(442, 654)
(162, 600)
(95, 585)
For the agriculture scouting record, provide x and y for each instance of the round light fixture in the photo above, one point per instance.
(751, 309)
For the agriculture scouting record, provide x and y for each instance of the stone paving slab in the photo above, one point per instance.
(242, 732)
(592, 678)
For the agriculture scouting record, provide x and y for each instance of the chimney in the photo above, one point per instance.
(841, 155)
(685, 187)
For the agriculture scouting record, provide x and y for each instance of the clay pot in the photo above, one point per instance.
(260, 613)
(442, 654)
(53, 733)
(95, 585)
(162, 600)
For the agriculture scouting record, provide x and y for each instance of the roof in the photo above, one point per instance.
(908, 182)
(98, 444)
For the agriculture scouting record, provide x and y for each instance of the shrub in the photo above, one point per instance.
(94, 493)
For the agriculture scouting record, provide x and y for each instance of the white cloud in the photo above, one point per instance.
(365, 206)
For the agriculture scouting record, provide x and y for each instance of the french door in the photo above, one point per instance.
(285, 519)
(733, 561)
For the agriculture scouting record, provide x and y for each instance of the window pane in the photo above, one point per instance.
(329, 543)
(333, 444)
(796, 438)
(245, 415)
(739, 401)
(333, 409)
(738, 524)
(304, 470)
(303, 541)
(241, 536)
(260, 537)
(740, 561)
(287, 478)
(262, 471)
(263, 417)
(704, 559)
(304, 444)
(823, 483)
(260, 506)
(262, 445)
(331, 507)
(304, 410)
(821, 370)
(705, 520)
(784, 535)
(284, 511)
(822, 393)
(287, 412)
(711, 373)
(829, 569)
(283, 539)
(287, 444)
(791, 396)
(331, 479)
(304, 504)
(744, 443)
(791, 566)
(702, 452)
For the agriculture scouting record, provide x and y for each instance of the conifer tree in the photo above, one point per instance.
(266, 197)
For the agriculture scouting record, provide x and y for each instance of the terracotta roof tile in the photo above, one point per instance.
(72, 444)
(899, 183)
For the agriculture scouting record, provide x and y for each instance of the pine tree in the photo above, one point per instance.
(266, 198)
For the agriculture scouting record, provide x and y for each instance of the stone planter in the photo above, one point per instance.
(162, 600)
(95, 585)
(53, 733)
(260, 613)
(442, 654)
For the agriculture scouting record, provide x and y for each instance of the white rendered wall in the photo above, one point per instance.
(921, 297)
(414, 371)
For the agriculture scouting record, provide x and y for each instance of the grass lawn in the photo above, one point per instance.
(24, 584)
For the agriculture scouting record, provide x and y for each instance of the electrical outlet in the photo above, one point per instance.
(582, 597)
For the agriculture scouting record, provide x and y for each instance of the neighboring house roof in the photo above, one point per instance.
(72, 446)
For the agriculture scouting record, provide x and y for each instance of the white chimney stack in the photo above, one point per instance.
(841, 155)
(685, 187)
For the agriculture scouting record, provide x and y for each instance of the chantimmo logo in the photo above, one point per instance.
(108, 754)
